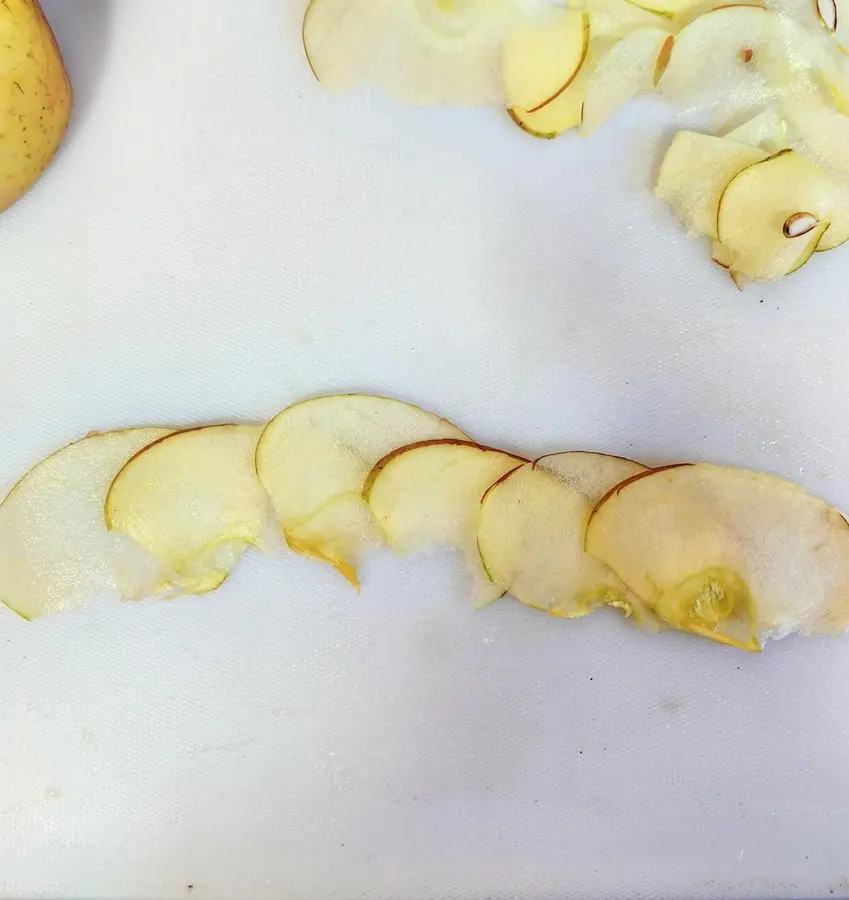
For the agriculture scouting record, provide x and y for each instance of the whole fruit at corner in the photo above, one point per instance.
(35, 97)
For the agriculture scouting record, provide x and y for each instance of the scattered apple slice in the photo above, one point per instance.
(727, 554)
(632, 66)
(720, 60)
(531, 533)
(774, 214)
(429, 495)
(540, 60)
(672, 9)
(612, 20)
(767, 131)
(55, 551)
(314, 457)
(694, 173)
(421, 53)
(193, 500)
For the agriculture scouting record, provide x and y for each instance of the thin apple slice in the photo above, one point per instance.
(671, 9)
(766, 131)
(821, 129)
(314, 457)
(421, 53)
(540, 60)
(696, 170)
(632, 66)
(725, 60)
(193, 500)
(612, 20)
(55, 551)
(563, 113)
(531, 534)
(428, 495)
(774, 214)
(721, 255)
(728, 554)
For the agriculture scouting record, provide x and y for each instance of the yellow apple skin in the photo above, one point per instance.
(35, 97)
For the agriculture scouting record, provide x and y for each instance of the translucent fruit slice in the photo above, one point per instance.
(763, 207)
(721, 60)
(531, 533)
(193, 500)
(314, 458)
(767, 131)
(732, 555)
(429, 495)
(421, 53)
(696, 170)
(56, 553)
(561, 114)
(540, 60)
(634, 65)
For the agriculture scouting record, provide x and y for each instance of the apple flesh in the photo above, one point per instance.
(429, 495)
(313, 459)
(193, 500)
(531, 534)
(728, 554)
(56, 553)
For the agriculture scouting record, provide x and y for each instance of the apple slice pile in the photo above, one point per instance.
(780, 66)
(731, 555)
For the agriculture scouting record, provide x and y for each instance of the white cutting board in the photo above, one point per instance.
(219, 238)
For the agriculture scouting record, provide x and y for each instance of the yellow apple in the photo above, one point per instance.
(36, 97)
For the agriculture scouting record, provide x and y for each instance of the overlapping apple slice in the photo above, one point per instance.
(193, 500)
(728, 554)
(429, 495)
(727, 60)
(423, 52)
(767, 131)
(531, 534)
(314, 458)
(540, 60)
(696, 170)
(774, 214)
(634, 65)
(56, 553)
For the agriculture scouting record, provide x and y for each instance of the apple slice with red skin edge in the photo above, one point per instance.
(418, 61)
(540, 61)
(762, 207)
(56, 553)
(531, 534)
(428, 496)
(728, 554)
(313, 459)
(632, 66)
(695, 171)
(193, 500)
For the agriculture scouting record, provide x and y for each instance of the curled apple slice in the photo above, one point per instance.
(313, 459)
(726, 60)
(56, 553)
(728, 554)
(766, 131)
(696, 170)
(632, 66)
(423, 53)
(428, 495)
(531, 534)
(540, 60)
(774, 214)
(193, 500)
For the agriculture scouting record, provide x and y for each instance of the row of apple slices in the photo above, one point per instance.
(732, 555)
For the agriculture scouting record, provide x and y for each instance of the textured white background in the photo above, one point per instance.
(219, 238)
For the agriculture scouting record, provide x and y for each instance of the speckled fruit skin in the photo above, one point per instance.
(35, 97)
